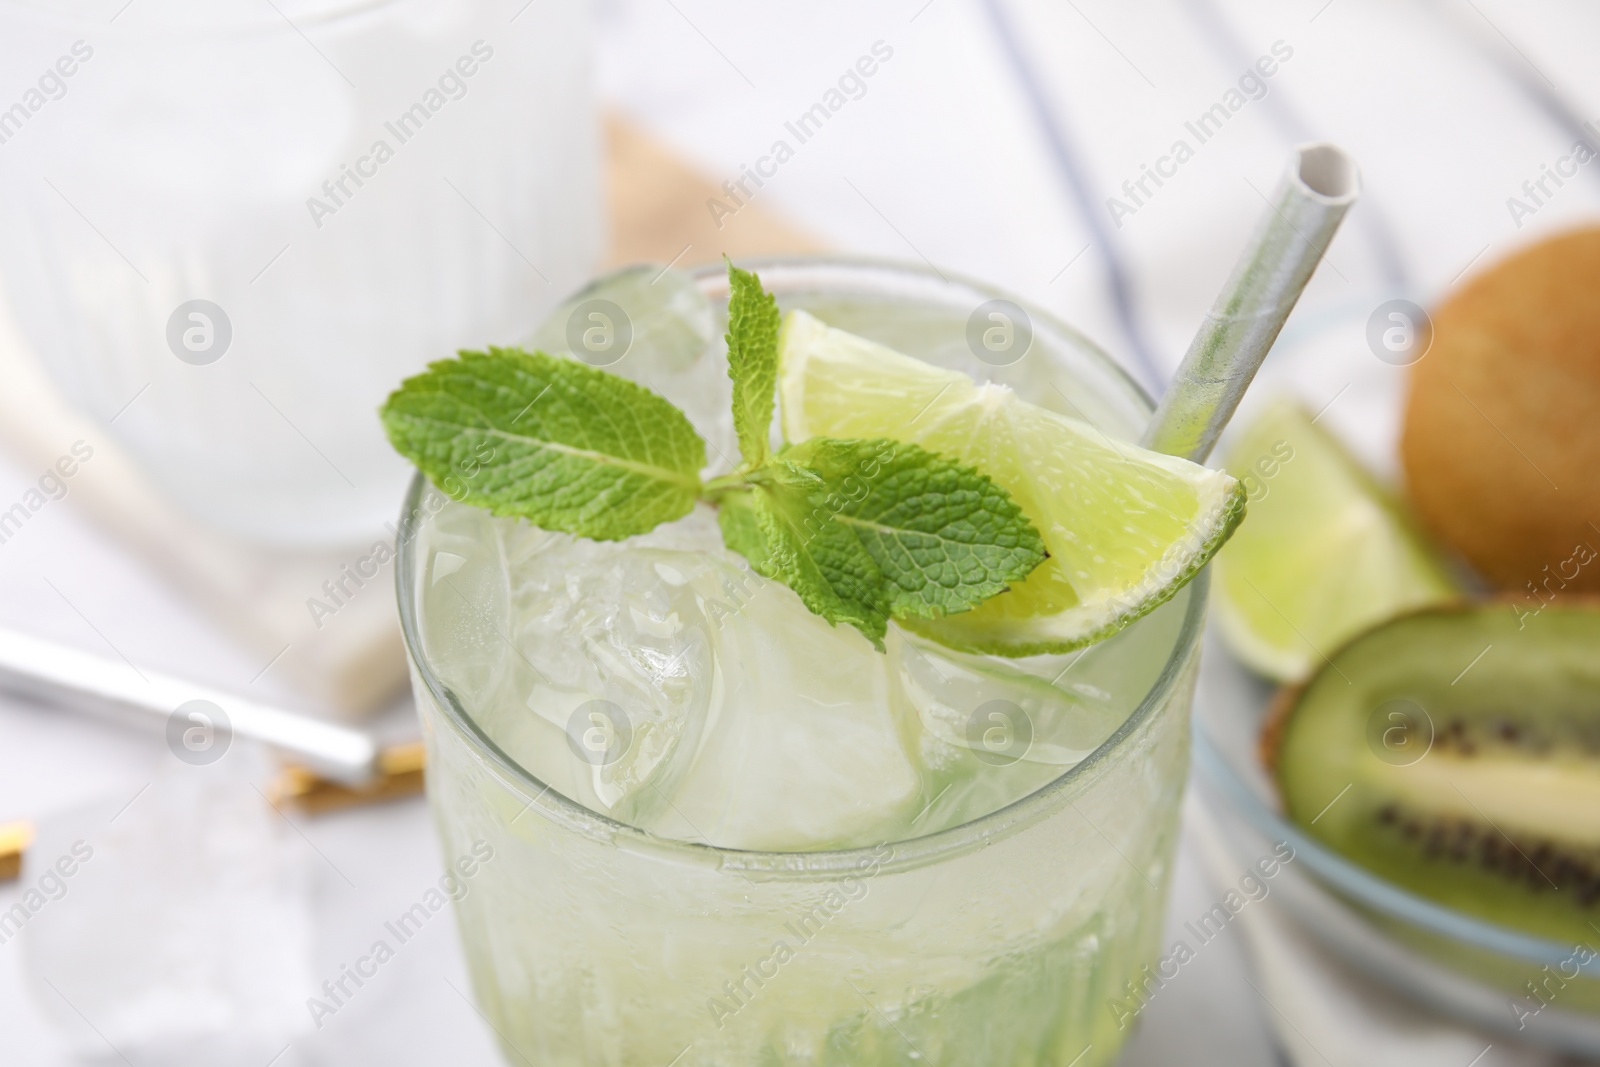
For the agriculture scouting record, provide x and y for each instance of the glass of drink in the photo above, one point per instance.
(230, 226)
(695, 824)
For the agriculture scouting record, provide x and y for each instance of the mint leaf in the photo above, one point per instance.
(565, 445)
(740, 516)
(753, 321)
(867, 530)
(945, 536)
(760, 524)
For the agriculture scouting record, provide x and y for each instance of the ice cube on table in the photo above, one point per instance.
(183, 937)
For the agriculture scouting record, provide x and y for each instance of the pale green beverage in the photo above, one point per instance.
(725, 833)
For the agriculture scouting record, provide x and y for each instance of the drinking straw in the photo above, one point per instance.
(1318, 187)
(79, 680)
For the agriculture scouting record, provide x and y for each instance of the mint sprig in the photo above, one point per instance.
(866, 530)
(862, 530)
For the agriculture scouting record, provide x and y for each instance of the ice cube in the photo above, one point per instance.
(660, 681)
(183, 935)
(992, 731)
(801, 750)
(667, 317)
(987, 734)
(996, 710)
(620, 656)
(599, 653)
(463, 591)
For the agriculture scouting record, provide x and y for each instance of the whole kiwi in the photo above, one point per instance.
(1501, 441)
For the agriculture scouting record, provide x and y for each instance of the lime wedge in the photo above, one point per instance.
(1326, 553)
(1125, 528)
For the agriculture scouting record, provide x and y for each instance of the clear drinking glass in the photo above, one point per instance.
(1014, 938)
(230, 227)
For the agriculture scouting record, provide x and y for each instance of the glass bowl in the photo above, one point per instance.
(1459, 965)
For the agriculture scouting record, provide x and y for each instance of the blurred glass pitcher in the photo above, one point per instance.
(229, 227)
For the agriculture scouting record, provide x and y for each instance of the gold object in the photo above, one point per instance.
(15, 837)
(400, 774)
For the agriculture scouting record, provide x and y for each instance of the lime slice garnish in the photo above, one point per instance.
(1125, 527)
(1326, 553)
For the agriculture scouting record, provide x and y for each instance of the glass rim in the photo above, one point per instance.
(908, 852)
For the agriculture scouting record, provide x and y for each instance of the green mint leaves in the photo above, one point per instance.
(868, 530)
(557, 442)
(862, 530)
(752, 362)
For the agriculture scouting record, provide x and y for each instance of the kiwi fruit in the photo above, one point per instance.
(1455, 752)
(1500, 444)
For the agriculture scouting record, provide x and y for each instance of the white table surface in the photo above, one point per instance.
(939, 159)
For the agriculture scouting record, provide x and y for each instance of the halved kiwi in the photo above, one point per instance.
(1456, 752)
